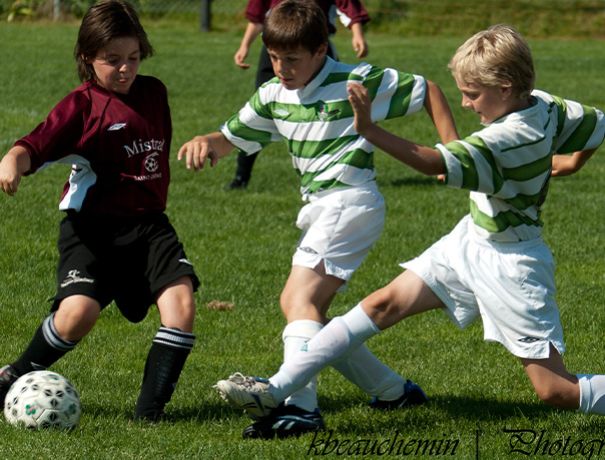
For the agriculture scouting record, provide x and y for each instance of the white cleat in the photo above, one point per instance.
(248, 393)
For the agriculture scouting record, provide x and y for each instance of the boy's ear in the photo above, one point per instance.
(507, 90)
(323, 49)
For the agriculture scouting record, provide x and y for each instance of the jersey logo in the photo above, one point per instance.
(151, 162)
(324, 113)
(116, 127)
(281, 113)
(185, 261)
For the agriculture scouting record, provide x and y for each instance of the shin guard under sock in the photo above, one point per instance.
(165, 361)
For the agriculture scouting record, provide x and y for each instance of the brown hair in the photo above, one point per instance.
(498, 56)
(103, 22)
(296, 23)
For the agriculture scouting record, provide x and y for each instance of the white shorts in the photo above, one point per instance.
(511, 285)
(339, 228)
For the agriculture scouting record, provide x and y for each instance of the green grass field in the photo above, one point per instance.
(241, 244)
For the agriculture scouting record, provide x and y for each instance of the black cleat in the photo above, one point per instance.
(284, 422)
(8, 375)
(412, 396)
(238, 183)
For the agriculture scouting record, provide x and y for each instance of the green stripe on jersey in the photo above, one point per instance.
(487, 154)
(470, 178)
(582, 133)
(305, 118)
(312, 149)
(502, 221)
(373, 80)
(338, 77)
(529, 170)
(402, 97)
(236, 126)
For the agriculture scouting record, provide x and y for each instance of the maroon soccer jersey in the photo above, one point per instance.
(118, 146)
(256, 10)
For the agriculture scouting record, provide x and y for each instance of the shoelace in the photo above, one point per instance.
(243, 380)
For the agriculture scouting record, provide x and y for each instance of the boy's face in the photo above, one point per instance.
(489, 102)
(296, 67)
(116, 65)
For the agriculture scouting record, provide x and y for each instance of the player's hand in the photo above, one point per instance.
(9, 175)
(197, 152)
(362, 106)
(240, 58)
(360, 46)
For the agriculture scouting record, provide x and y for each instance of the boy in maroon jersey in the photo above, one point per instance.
(115, 242)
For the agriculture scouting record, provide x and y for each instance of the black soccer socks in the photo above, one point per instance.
(163, 367)
(45, 348)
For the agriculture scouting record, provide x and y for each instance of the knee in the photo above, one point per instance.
(76, 316)
(179, 314)
(295, 308)
(182, 316)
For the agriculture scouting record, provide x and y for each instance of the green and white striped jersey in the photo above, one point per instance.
(507, 164)
(317, 121)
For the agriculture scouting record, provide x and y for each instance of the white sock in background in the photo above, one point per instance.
(365, 370)
(592, 393)
(295, 335)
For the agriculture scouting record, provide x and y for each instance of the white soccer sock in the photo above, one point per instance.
(592, 393)
(341, 335)
(296, 334)
(365, 370)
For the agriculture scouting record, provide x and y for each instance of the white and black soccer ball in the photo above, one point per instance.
(42, 399)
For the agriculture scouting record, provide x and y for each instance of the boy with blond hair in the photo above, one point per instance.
(494, 263)
(306, 104)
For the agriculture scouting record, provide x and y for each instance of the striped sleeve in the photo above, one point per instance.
(252, 128)
(394, 94)
(580, 127)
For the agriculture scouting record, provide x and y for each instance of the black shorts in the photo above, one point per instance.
(126, 260)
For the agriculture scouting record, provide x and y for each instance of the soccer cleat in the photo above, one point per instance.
(412, 396)
(151, 414)
(283, 422)
(248, 393)
(238, 183)
(8, 375)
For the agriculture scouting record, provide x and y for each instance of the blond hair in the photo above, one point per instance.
(498, 56)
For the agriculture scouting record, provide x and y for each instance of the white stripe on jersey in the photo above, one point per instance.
(81, 179)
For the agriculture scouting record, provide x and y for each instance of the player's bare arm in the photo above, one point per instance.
(423, 159)
(437, 107)
(210, 147)
(565, 165)
(12, 167)
(253, 30)
(358, 41)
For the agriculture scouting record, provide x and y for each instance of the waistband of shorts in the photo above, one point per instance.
(370, 186)
(108, 220)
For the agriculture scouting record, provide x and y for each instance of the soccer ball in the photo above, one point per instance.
(42, 399)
